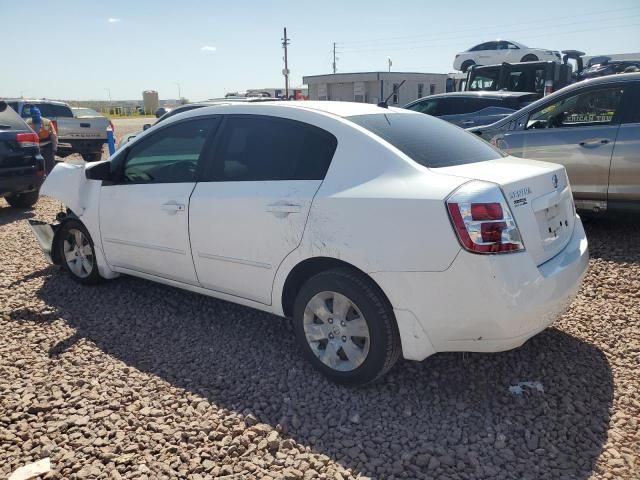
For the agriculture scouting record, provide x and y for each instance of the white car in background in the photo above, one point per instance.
(498, 51)
(381, 232)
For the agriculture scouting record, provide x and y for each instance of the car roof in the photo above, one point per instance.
(481, 94)
(339, 109)
(35, 100)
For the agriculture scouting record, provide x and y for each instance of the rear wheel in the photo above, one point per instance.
(77, 253)
(466, 65)
(530, 57)
(23, 200)
(346, 327)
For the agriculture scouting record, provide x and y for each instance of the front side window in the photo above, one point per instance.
(169, 155)
(594, 107)
(263, 148)
(427, 140)
(430, 107)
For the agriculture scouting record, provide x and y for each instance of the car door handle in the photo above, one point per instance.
(594, 142)
(173, 207)
(284, 208)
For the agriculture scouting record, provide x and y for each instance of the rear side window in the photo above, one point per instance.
(47, 110)
(427, 140)
(263, 148)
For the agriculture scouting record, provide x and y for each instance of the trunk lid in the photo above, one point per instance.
(539, 196)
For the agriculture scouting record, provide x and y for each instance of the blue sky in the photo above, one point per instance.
(77, 49)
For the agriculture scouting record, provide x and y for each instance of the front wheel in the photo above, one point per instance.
(466, 65)
(346, 327)
(23, 200)
(77, 253)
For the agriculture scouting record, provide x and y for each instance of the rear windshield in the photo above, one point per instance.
(427, 140)
(10, 120)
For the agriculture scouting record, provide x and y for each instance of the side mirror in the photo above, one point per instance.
(146, 126)
(99, 171)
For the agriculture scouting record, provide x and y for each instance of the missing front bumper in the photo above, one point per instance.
(44, 233)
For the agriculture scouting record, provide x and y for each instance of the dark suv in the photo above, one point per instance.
(471, 109)
(21, 165)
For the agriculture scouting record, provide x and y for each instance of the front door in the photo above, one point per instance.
(144, 215)
(578, 131)
(253, 209)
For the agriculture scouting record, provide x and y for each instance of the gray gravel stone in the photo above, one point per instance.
(136, 380)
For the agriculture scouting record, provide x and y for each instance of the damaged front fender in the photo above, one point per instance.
(67, 182)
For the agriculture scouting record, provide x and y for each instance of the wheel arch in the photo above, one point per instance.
(309, 267)
(55, 257)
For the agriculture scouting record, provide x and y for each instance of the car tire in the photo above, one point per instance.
(92, 157)
(329, 343)
(530, 57)
(466, 65)
(77, 253)
(23, 200)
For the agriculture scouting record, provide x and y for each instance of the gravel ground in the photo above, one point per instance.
(132, 379)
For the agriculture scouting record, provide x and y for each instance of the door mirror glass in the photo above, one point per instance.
(99, 171)
(146, 126)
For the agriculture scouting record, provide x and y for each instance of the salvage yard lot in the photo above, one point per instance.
(137, 380)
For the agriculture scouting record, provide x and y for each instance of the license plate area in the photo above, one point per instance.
(553, 223)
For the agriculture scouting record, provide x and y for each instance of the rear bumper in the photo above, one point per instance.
(19, 184)
(485, 303)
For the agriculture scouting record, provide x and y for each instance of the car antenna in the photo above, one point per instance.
(384, 103)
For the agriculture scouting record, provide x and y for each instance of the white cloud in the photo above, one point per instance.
(113, 20)
(208, 48)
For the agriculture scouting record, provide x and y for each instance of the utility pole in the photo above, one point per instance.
(285, 72)
(179, 93)
(334, 58)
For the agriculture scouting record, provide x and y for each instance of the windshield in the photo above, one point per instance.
(427, 140)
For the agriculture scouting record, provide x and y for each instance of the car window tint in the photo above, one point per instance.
(428, 140)
(593, 107)
(263, 148)
(169, 155)
(430, 107)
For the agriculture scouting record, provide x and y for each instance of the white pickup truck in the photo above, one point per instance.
(85, 136)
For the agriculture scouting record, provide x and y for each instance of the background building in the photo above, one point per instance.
(373, 87)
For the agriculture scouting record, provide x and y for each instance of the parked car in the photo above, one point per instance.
(193, 106)
(85, 136)
(593, 129)
(382, 232)
(607, 66)
(21, 165)
(500, 51)
(467, 109)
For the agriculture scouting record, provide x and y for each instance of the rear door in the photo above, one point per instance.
(624, 180)
(579, 131)
(251, 210)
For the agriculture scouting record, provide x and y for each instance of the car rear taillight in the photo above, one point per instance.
(482, 219)
(55, 125)
(548, 87)
(27, 139)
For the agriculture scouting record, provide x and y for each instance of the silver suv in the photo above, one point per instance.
(590, 127)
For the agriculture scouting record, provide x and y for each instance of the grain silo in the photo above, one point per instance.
(150, 101)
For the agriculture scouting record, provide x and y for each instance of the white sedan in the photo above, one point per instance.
(498, 51)
(380, 232)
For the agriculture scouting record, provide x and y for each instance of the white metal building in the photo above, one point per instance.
(373, 87)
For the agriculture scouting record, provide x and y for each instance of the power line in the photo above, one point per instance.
(422, 44)
(540, 21)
